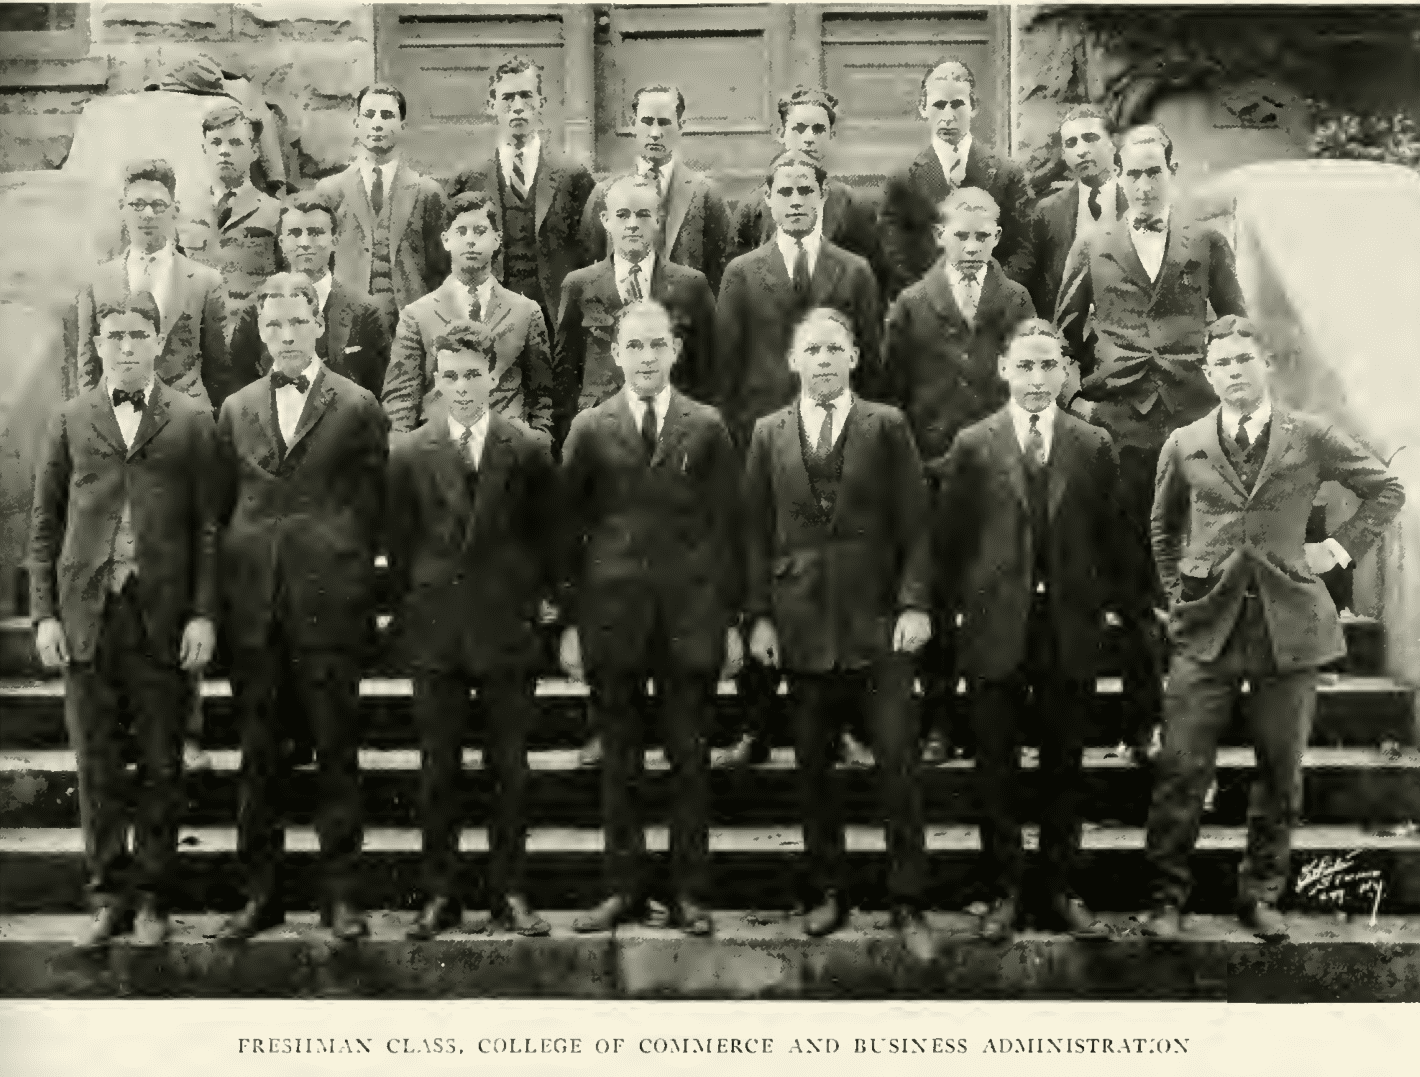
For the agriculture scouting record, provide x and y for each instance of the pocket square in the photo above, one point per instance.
(352, 348)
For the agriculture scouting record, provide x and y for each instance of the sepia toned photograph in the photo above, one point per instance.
(833, 502)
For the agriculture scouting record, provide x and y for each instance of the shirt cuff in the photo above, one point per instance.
(1338, 551)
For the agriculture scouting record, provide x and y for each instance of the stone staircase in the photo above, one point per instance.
(1362, 793)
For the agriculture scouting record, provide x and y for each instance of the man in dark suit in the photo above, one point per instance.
(388, 217)
(1150, 278)
(697, 223)
(650, 493)
(122, 564)
(839, 582)
(301, 459)
(947, 102)
(1027, 528)
(945, 337)
(631, 271)
(538, 195)
(1093, 195)
(807, 119)
(1246, 604)
(470, 524)
(354, 343)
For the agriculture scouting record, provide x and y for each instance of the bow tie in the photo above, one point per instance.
(1149, 224)
(135, 398)
(300, 381)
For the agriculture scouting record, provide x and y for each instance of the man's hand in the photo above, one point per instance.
(913, 629)
(569, 654)
(764, 643)
(1320, 558)
(734, 654)
(53, 647)
(199, 643)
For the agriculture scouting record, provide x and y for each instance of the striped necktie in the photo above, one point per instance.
(520, 182)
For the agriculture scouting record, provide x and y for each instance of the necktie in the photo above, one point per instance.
(1094, 203)
(1149, 224)
(300, 381)
(1035, 446)
(1244, 442)
(654, 172)
(825, 433)
(466, 448)
(520, 182)
(135, 398)
(633, 283)
(224, 209)
(969, 296)
(377, 191)
(801, 270)
(475, 308)
(648, 425)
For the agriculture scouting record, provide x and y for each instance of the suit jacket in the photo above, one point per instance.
(468, 574)
(354, 344)
(560, 190)
(834, 587)
(651, 547)
(985, 546)
(418, 261)
(940, 370)
(299, 530)
(1148, 335)
(523, 385)
(1052, 234)
(586, 372)
(84, 478)
(193, 360)
(909, 211)
(849, 220)
(754, 326)
(1212, 538)
(245, 252)
(697, 230)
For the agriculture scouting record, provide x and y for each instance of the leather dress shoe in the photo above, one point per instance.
(591, 753)
(1164, 922)
(936, 750)
(1073, 916)
(693, 918)
(347, 923)
(916, 935)
(150, 925)
(1266, 922)
(999, 923)
(516, 915)
(748, 751)
(108, 921)
(439, 914)
(854, 752)
(614, 910)
(252, 919)
(826, 917)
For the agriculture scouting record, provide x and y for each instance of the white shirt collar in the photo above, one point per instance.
(480, 433)
(1255, 422)
(812, 243)
(661, 402)
(1020, 419)
(951, 157)
(367, 169)
(1140, 233)
(667, 170)
(1106, 201)
(311, 370)
(811, 411)
(621, 267)
(465, 294)
(161, 258)
(322, 287)
(955, 277)
(532, 150)
(147, 391)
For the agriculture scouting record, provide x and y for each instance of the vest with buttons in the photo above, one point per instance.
(1247, 464)
(826, 474)
(381, 265)
(519, 242)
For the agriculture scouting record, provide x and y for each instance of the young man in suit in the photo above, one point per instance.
(947, 103)
(301, 459)
(470, 514)
(839, 581)
(354, 343)
(238, 238)
(537, 194)
(523, 388)
(807, 119)
(388, 217)
(123, 554)
(192, 355)
(1150, 278)
(1093, 195)
(1027, 533)
(650, 485)
(945, 337)
(697, 223)
(1246, 604)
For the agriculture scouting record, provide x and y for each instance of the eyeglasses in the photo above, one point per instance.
(158, 206)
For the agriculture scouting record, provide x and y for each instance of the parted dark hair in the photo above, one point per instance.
(467, 337)
(1088, 112)
(820, 314)
(1231, 325)
(807, 95)
(795, 159)
(515, 65)
(288, 286)
(132, 303)
(388, 90)
(158, 171)
(1146, 132)
(226, 115)
(469, 202)
(307, 203)
(968, 76)
(1037, 327)
(661, 87)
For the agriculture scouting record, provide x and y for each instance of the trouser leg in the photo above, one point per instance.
(756, 688)
(816, 728)
(997, 706)
(685, 713)
(261, 837)
(508, 711)
(617, 696)
(1062, 703)
(329, 683)
(893, 721)
(441, 708)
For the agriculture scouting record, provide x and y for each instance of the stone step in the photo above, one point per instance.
(1325, 961)
(1368, 711)
(1342, 785)
(42, 870)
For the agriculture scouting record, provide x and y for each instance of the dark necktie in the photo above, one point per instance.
(633, 283)
(825, 433)
(970, 296)
(1035, 446)
(466, 448)
(377, 191)
(1149, 224)
(1094, 203)
(1244, 442)
(475, 308)
(135, 398)
(801, 270)
(224, 209)
(300, 381)
(648, 425)
(520, 179)
(654, 173)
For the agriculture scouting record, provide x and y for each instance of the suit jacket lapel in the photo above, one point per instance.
(493, 468)
(668, 443)
(678, 204)
(337, 321)
(247, 202)
(449, 474)
(499, 309)
(852, 452)
(446, 302)
(105, 422)
(788, 449)
(1062, 462)
(1213, 449)
(542, 188)
(1121, 251)
(773, 274)
(1279, 440)
(928, 175)
(155, 417)
(835, 207)
(826, 272)
(623, 425)
(266, 421)
(317, 400)
(1175, 250)
(939, 294)
(359, 199)
(403, 194)
(1009, 452)
(1065, 213)
(992, 291)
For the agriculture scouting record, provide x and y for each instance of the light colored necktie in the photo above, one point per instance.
(520, 182)
(633, 283)
(970, 295)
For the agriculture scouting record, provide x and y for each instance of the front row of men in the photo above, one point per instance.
(661, 550)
